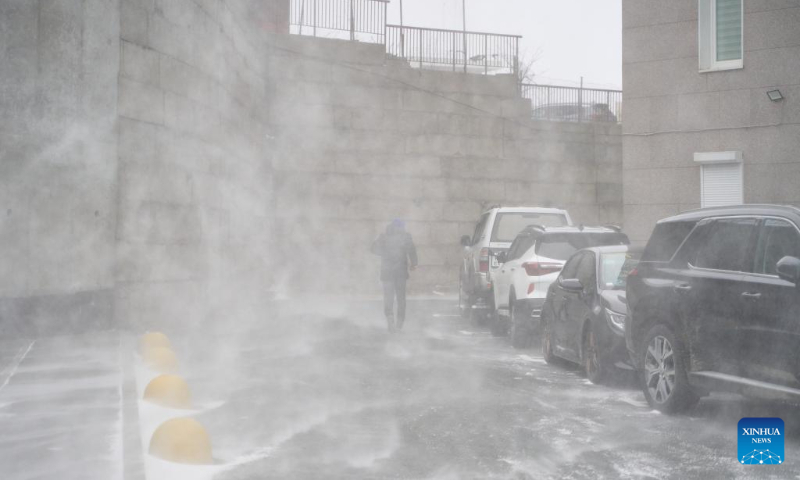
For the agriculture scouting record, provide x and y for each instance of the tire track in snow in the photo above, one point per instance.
(16, 362)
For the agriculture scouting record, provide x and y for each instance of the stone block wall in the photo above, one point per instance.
(58, 167)
(195, 182)
(360, 140)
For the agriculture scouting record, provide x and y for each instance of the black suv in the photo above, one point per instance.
(714, 305)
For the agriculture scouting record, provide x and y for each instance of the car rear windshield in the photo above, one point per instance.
(561, 246)
(665, 240)
(614, 269)
(508, 225)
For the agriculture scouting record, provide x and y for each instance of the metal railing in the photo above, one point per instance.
(363, 20)
(573, 104)
(474, 52)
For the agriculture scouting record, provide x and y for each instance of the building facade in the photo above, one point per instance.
(712, 106)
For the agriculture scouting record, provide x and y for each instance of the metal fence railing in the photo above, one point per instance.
(573, 104)
(363, 20)
(473, 52)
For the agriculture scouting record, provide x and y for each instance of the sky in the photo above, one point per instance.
(573, 38)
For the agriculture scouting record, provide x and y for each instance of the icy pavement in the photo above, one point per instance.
(328, 393)
(61, 408)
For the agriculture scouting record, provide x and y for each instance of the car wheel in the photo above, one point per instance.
(521, 335)
(464, 300)
(596, 368)
(547, 336)
(664, 380)
(498, 327)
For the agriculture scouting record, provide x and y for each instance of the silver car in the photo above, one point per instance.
(494, 232)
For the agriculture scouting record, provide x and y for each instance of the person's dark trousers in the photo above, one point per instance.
(394, 289)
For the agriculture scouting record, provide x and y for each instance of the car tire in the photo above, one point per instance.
(663, 375)
(547, 336)
(465, 300)
(521, 334)
(498, 327)
(595, 366)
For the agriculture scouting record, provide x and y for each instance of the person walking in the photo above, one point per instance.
(396, 249)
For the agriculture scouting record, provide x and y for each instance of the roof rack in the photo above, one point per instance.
(616, 228)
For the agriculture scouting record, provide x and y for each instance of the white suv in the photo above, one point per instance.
(526, 271)
(494, 232)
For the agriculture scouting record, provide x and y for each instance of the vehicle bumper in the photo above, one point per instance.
(613, 348)
(530, 309)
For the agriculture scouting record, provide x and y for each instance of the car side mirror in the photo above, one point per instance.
(466, 241)
(571, 285)
(789, 269)
(501, 257)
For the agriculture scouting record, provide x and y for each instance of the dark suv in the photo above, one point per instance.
(714, 305)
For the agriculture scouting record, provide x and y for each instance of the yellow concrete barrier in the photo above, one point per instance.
(161, 359)
(169, 391)
(182, 440)
(152, 340)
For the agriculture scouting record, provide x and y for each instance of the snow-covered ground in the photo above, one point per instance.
(326, 392)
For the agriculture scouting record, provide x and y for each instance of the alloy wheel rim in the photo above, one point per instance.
(659, 369)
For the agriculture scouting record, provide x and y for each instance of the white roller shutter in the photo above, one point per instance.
(722, 184)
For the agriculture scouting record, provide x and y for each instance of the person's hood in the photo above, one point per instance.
(615, 300)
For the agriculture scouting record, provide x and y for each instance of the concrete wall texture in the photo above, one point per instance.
(168, 161)
(672, 111)
(360, 140)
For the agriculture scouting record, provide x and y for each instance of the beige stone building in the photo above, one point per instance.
(712, 106)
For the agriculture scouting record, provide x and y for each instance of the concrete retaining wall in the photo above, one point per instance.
(58, 165)
(194, 176)
(361, 140)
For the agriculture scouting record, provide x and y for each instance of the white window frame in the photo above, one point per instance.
(707, 39)
(716, 158)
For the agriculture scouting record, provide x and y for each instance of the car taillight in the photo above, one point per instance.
(531, 288)
(634, 272)
(537, 269)
(483, 260)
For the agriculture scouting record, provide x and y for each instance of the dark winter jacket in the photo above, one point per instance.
(396, 248)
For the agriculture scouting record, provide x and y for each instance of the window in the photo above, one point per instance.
(561, 246)
(479, 229)
(521, 245)
(778, 239)
(571, 268)
(614, 269)
(720, 34)
(587, 270)
(508, 225)
(665, 240)
(727, 244)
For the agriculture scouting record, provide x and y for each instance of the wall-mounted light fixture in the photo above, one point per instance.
(775, 95)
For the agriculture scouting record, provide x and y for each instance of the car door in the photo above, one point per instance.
(502, 275)
(709, 293)
(561, 307)
(513, 265)
(771, 327)
(578, 305)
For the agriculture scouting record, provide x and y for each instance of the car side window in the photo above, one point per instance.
(476, 237)
(777, 239)
(587, 270)
(512, 251)
(727, 244)
(571, 268)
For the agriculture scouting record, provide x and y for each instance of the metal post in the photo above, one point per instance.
(486, 54)
(315, 18)
(352, 22)
(454, 50)
(302, 14)
(516, 57)
(464, 29)
(402, 33)
(580, 102)
(420, 47)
